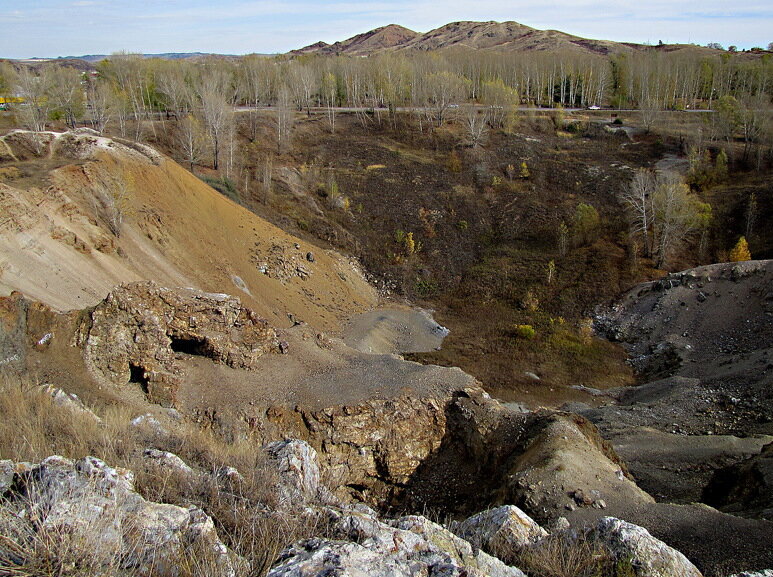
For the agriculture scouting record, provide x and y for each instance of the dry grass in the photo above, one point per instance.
(33, 427)
(244, 509)
(561, 556)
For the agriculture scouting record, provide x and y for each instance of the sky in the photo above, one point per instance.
(50, 28)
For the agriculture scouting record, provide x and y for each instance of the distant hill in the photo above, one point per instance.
(378, 40)
(489, 36)
(163, 56)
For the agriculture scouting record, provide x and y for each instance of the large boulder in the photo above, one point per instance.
(89, 514)
(500, 530)
(461, 551)
(648, 556)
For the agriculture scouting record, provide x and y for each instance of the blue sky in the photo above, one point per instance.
(74, 27)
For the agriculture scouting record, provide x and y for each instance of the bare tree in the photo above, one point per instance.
(678, 215)
(444, 90)
(267, 179)
(191, 139)
(34, 89)
(131, 77)
(98, 100)
(499, 99)
(7, 77)
(65, 91)
(285, 117)
(218, 119)
(303, 85)
(637, 198)
(476, 124)
(329, 92)
(649, 110)
(177, 92)
(254, 80)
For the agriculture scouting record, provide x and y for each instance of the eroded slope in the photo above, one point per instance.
(111, 212)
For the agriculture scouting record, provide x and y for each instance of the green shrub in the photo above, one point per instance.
(224, 186)
(525, 332)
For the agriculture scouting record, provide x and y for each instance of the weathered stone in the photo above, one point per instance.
(136, 333)
(69, 401)
(7, 472)
(501, 530)
(414, 546)
(648, 556)
(298, 467)
(97, 508)
(229, 474)
(169, 461)
(460, 550)
(149, 421)
(763, 573)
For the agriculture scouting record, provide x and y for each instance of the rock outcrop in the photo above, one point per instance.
(138, 331)
(648, 556)
(92, 516)
(297, 465)
(409, 546)
(745, 487)
(505, 528)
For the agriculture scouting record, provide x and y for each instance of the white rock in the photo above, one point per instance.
(7, 471)
(69, 401)
(298, 467)
(502, 529)
(410, 546)
(149, 421)
(96, 508)
(650, 556)
(461, 551)
(169, 461)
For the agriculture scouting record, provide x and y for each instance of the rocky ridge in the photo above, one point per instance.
(136, 536)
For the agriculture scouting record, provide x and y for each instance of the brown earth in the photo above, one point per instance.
(58, 248)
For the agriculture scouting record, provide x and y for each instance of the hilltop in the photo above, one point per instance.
(489, 36)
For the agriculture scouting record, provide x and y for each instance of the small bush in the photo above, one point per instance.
(425, 288)
(526, 332)
(224, 186)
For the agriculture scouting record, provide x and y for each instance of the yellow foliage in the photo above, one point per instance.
(740, 251)
(410, 244)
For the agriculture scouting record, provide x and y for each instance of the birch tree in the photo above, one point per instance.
(34, 89)
(637, 199)
(65, 92)
(191, 139)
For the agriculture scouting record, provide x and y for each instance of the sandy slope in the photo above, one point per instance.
(56, 247)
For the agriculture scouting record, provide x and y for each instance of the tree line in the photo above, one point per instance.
(651, 79)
